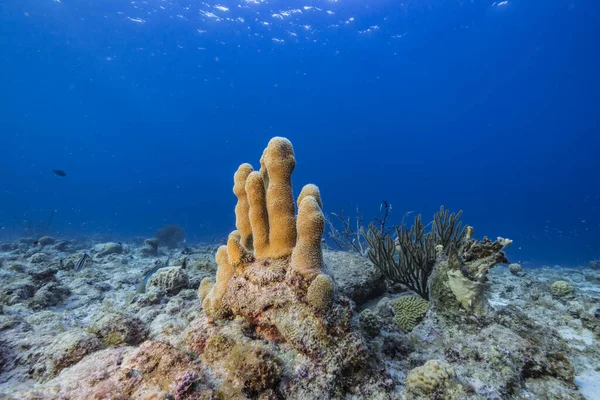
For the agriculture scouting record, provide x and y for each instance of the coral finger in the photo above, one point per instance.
(242, 219)
(279, 162)
(307, 257)
(257, 200)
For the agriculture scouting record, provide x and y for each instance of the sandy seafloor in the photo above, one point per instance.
(55, 319)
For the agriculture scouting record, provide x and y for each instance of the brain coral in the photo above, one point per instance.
(409, 310)
(431, 378)
(561, 288)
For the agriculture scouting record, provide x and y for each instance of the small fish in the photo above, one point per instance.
(142, 285)
(81, 261)
(36, 243)
(59, 172)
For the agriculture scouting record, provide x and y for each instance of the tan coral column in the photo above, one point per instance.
(242, 222)
(278, 159)
(259, 220)
(307, 257)
(213, 300)
(310, 190)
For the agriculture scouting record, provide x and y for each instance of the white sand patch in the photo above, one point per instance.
(578, 340)
(595, 289)
(588, 383)
(496, 301)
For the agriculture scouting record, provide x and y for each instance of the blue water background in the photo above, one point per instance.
(150, 106)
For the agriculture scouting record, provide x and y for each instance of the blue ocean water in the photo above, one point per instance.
(150, 106)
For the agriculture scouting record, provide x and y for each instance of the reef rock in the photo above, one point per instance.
(354, 275)
(110, 248)
(168, 280)
(114, 329)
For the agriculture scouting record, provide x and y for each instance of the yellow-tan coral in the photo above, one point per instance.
(320, 293)
(212, 301)
(204, 288)
(242, 222)
(264, 280)
(435, 379)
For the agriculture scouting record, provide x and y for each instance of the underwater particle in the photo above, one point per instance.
(409, 311)
(370, 322)
(515, 269)
(59, 172)
(561, 288)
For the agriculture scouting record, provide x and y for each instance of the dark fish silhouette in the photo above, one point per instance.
(81, 261)
(142, 285)
(59, 172)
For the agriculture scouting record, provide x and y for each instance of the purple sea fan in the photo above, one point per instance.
(184, 383)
